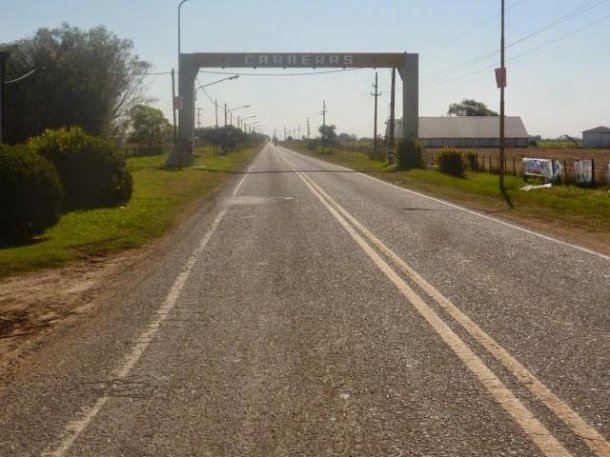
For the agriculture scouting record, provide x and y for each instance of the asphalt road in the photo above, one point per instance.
(314, 311)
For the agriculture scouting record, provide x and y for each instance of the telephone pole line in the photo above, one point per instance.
(308, 130)
(375, 94)
(216, 108)
(198, 118)
(324, 111)
(392, 118)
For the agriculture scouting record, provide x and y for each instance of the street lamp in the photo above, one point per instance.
(182, 2)
(227, 111)
(202, 86)
(241, 122)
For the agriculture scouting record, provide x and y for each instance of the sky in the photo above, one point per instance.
(558, 55)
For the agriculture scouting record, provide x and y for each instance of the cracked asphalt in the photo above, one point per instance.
(266, 329)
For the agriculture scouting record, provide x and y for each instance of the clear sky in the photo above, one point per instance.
(558, 68)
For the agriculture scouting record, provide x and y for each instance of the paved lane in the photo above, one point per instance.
(279, 325)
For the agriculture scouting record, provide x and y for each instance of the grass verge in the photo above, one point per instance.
(585, 213)
(161, 198)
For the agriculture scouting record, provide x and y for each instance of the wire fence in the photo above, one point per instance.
(487, 160)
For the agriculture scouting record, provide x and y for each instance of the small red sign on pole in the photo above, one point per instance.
(501, 77)
(178, 102)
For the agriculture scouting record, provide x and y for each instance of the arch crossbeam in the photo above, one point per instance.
(407, 65)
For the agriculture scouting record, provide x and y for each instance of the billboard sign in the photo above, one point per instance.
(547, 169)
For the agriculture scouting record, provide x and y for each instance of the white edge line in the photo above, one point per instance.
(461, 208)
(77, 426)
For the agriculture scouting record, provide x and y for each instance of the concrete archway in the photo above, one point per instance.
(189, 65)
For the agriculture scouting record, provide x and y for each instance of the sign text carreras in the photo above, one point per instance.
(300, 60)
(294, 59)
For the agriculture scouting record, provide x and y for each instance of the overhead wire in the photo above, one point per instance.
(518, 56)
(472, 29)
(591, 4)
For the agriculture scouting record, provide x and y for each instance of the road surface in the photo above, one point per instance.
(315, 311)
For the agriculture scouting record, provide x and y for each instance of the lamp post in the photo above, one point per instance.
(230, 111)
(245, 119)
(182, 2)
(203, 86)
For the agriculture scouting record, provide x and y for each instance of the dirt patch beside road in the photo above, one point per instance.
(33, 304)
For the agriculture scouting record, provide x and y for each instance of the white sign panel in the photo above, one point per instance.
(549, 170)
(583, 172)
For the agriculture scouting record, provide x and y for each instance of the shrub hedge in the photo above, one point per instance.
(452, 162)
(30, 194)
(92, 170)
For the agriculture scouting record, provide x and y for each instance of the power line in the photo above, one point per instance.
(591, 4)
(518, 56)
(577, 12)
(472, 29)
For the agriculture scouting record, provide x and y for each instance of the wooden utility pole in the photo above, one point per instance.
(324, 111)
(308, 130)
(216, 110)
(174, 108)
(225, 114)
(375, 94)
(502, 84)
(198, 118)
(391, 140)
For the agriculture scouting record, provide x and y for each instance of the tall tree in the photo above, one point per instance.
(148, 125)
(86, 78)
(469, 107)
(328, 133)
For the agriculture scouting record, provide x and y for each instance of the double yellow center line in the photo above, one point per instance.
(538, 433)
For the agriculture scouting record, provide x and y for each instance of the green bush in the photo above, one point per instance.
(92, 170)
(30, 194)
(410, 155)
(452, 162)
(472, 159)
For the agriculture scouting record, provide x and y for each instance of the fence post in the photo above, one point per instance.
(514, 165)
(565, 172)
(593, 173)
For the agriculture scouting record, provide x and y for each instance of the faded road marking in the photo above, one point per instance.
(77, 426)
(538, 433)
(596, 442)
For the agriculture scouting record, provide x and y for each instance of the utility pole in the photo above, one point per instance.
(502, 83)
(216, 110)
(308, 130)
(392, 118)
(198, 118)
(284, 133)
(174, 109)
(375, 94)
(226, 114)
(324, 111)
(299, 132)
